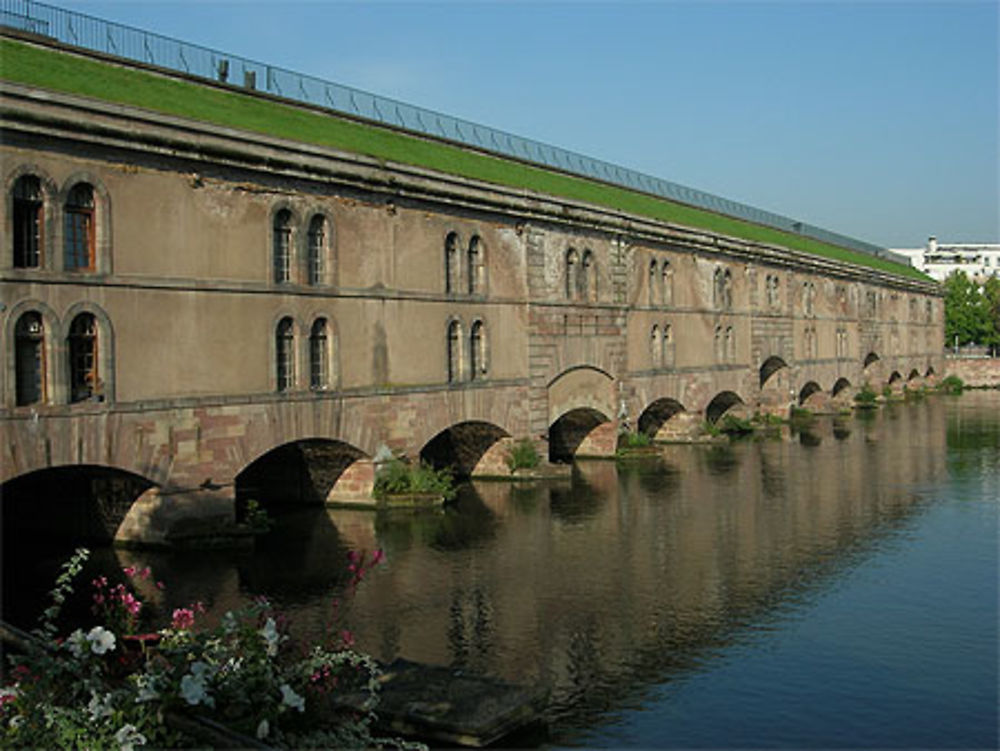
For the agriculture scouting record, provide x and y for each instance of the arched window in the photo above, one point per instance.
(727, 290)
(285, 354)
(730, 344)
(29, 356)
(451, 264)
(652, 282)
(717, 294)
(477, 351)
(84, 380)
(79, 228)
(454, 352)
(655, 347)
(572, 270)
(283, 246)
(668, 345)
(319, 356)
(720, 351)
(588, 277)
(28, 223)
(667, 283)
(475, 265)
(316, 254)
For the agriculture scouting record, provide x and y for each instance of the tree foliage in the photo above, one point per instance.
(971, 313)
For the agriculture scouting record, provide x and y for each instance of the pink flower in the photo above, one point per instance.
(378, 556)
(183, 619)
(347, 638)
(129, 571)
(161, 585)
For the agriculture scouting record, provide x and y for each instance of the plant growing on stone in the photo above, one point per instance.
(397, 477)
(866, 397)
(952, 385)
(523, 455)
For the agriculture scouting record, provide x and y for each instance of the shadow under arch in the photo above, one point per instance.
(769, 367)
(840, 385)
(720, 404)
(808, 390)
(894, 377)
(930, 372)
(460, 447)
(298, 473)
(914, 373)
(870, 358)
(571, 429)
(657, 414)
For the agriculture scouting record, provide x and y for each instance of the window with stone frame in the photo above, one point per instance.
(454, 352)
(282, 246)
(476, 264)
(28, 220)
(451, 264)
(316, 254)
(79, 235)
(572, 275)
(29, 359)
(667, 284)
(284, 342)
(655, 347)
(319, 356)
(653, 298)
(477, 351)
(588, 277)
(84, 379)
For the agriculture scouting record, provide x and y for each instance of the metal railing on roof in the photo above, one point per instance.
(88, 32)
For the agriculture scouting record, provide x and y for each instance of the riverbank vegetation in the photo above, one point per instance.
(244, 682)
(971, 312)
(523, 455)
(399, 478)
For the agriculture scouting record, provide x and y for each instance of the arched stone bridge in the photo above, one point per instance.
(209, 314)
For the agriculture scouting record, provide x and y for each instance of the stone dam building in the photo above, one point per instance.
(190, 313)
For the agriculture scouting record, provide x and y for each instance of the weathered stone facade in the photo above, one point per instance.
(245, 293)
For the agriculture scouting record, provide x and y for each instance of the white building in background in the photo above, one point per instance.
(978, 260)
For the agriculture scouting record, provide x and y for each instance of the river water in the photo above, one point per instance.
(834, 587)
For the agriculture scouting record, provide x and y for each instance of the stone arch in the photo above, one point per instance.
(914, 373)
(840, 385)
(468, 448)
(929, 372)
(720, 404)
(810, 388)
(581, 387)
(582, 431)
(50, 210)
(870, 359)
(658, 414)
(894, 377)
(302, 472)
(769, 367)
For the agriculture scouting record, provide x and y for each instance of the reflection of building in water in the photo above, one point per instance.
(647, 565)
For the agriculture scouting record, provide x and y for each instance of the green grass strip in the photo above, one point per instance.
(55, 70)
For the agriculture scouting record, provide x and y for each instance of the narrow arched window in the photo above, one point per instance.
(719, 345)
(668, 345)
(84, 382)
(477, 351)
(316, 252)
(727, 290)
(454, 352)
(319, 356)
(730, 344)
(572, 270)
(282, 242)
(451, 261)
(588, 277)
(655, 347)
(28, 207)
(717, 288)
(667, 284)
(285, 354)
(652, 283)
(79, 228)
(29, 356)
(475, 266)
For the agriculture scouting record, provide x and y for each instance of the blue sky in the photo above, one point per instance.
(878, 120)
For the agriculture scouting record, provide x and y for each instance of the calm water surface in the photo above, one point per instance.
(830, 588)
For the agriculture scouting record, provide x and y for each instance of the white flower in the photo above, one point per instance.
(100, 706)
(128, 737)
(194, 691)
(291, 699)
(270, 634)
(76, 643)
(101, 640)
(263, 729)
(146, 685)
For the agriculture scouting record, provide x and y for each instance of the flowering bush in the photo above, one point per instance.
(109, 686)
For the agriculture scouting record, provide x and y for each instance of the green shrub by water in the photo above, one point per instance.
(397, 477)
(866, 397)
(952, 385)
(523, 455)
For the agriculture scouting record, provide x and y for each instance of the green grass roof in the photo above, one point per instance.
(48, 68)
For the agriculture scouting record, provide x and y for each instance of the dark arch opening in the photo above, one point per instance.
(300, 473)
(929, 373)
(720, 405)
(568, 432)
(461, 446)
(840, 385)
(658, 413)
(870, 358)
(45, 515)
(895, 377)
(771, 366)
(913, 374)
(808, 390)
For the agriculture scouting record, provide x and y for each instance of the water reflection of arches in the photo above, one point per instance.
(462, 446)
(302, 472)
(840, 385)
(722, 402)
(769, 367)
(657, 414)
(568, 433)
(808, 390)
